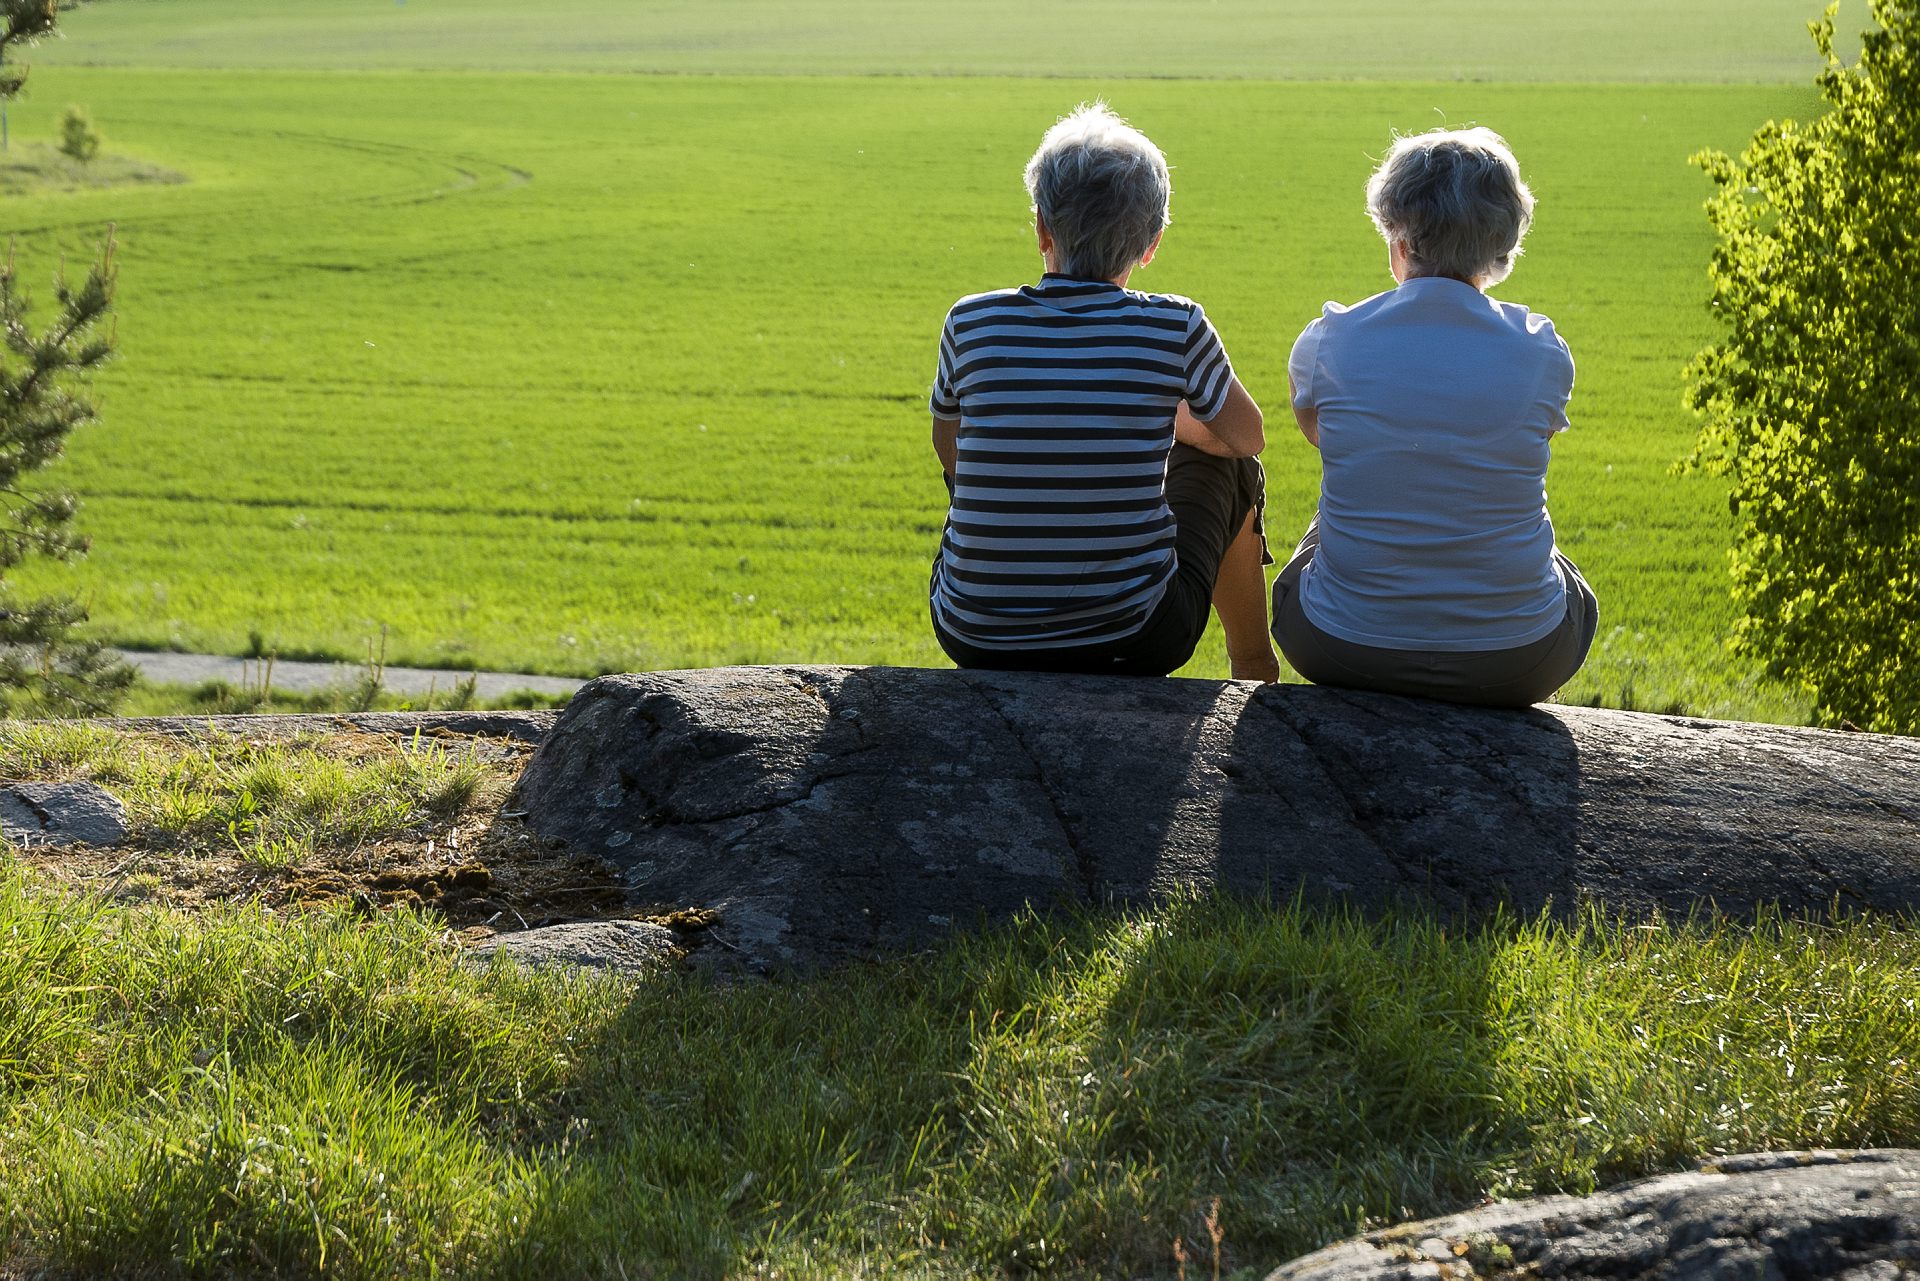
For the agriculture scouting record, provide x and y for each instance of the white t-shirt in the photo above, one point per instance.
(1436, 404)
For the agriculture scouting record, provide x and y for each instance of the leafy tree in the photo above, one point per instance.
(44, 664)
(78, 137)
(1811, 402)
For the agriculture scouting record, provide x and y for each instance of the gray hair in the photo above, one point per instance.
(1455, 197)
(1102, 189)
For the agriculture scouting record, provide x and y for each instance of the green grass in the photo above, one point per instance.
(232, 792)
(242, 1093)
(1622, 40)
(580, 373)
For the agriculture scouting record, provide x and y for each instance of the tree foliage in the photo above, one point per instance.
(44, 664)
(1811, 402)
(78, 136)
(21, 23)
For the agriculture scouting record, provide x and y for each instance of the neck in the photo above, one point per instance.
(1052, 263)
(1403, 277)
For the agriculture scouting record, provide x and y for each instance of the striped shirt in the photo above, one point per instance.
(1059, 534)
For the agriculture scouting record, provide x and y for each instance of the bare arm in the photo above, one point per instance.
(1237, 431)
(946, 442)
(1308, 419)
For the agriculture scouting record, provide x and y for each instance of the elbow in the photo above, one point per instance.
(1253, 438)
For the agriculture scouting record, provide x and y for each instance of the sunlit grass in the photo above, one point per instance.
(272, 801)
(581, 373)
(239, 1092)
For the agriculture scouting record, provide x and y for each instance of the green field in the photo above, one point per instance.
(571, 372)
(1620, 40)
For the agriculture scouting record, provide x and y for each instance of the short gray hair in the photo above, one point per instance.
(1102, 189)
(1455, 197)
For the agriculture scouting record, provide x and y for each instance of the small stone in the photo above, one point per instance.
(1436, 1249)
(618, 839)
(632, 947)
(61, 814)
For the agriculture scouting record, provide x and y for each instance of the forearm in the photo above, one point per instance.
(1190, 431)
(1236, 431)
(946, 443)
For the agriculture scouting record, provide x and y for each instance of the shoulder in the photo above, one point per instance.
(1164, 306)
(1529, 326)
(983, 301)
(1534, 334)
(1163, 302)
(1337, 318)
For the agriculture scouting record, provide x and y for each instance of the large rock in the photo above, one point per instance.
(827, 812)
(1773, 1215)
(61, 814)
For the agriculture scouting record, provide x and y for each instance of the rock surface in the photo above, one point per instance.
(629, 946)
(61, 814)
(1772, 1215)
(828, 813)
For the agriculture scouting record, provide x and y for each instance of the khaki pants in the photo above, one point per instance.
(1485, 678)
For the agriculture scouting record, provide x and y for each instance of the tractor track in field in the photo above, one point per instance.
(471, 175)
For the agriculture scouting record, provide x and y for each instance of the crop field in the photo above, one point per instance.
(567, 371)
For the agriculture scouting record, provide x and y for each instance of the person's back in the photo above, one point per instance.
(1436, 405)
(1059, 532)
(1430, 567)
(1099, 449)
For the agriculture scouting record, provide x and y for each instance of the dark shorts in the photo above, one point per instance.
(1210, 498)
(1513, 677)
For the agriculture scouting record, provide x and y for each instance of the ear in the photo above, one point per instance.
(1042, 236)
(1152, 249)
(1398, 258)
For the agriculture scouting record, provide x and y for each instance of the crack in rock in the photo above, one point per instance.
(1085, 866)
(1367, 816)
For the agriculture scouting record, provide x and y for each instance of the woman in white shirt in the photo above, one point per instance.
(1431, 568)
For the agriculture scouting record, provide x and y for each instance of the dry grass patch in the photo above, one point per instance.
(38, 168)
(374, 821)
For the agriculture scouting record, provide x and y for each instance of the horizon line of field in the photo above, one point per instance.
(668, 73)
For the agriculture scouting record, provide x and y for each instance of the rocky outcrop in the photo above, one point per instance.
(1793, 1214)
(61, 814)
(827, 813)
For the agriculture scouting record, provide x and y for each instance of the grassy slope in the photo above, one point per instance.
(573, 373)
(1621, 40)
(244, 1094)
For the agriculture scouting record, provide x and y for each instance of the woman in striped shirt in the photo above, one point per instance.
(1100, 452)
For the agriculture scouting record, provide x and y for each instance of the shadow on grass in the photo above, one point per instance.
(1052, 1096)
